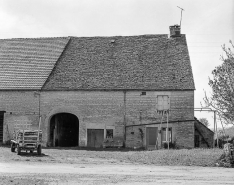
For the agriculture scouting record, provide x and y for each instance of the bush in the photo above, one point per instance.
(171, 145)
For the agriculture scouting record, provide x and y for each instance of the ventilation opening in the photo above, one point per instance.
(143, 93)
(64, 130)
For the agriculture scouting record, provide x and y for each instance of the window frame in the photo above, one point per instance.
(163, 130)
(108, 134)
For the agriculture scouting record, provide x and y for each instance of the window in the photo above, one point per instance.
(143, 93)
(164, 130)
(109, 133)
(163, 102)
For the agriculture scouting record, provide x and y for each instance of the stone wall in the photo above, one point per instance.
(21, 111)
(141, 110)
(182, 135)
(96, 108)
(101, 110)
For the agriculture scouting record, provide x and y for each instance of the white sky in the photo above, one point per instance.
(207, 23)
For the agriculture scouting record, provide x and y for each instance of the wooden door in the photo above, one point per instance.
(95, 137)
(151, 137)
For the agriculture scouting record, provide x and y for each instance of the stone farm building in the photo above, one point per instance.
(94, 89)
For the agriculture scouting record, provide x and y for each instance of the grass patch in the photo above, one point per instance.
(183, 157)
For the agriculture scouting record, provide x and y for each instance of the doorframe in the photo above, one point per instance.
(92, 132)
(49, 129)
(152, 126)
(63, 109)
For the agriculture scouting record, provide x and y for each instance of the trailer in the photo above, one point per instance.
(28, 140)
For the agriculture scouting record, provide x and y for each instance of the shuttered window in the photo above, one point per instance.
(163, 102)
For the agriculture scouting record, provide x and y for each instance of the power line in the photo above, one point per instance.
(205, 46)
(204, 52)
(204, 42)
(209, 34)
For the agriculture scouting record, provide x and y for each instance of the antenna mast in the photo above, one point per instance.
(181, 15)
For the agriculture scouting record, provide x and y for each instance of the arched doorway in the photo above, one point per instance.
(64, 130)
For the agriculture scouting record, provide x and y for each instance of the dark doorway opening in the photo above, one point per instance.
(64, 130)
(197, 141)
(1, 126)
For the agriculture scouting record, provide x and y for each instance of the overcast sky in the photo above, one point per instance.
(208, 24)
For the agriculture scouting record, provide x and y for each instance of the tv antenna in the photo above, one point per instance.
(181, 14)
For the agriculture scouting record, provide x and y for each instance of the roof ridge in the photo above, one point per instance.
(37, 38)
(68, 37)
(120, 36)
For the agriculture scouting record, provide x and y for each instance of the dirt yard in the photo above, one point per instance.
(80, 166)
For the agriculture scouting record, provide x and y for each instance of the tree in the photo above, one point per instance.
(222, 85)
(204, 121)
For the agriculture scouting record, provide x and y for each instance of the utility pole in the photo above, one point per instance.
(124, 120)
(216, 128)
(167, 134)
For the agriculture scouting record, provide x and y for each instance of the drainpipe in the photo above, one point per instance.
(124, 119)
(38, 93)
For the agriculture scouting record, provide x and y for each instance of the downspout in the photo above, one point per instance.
(38, 93)
(39, 96)
(124, 119)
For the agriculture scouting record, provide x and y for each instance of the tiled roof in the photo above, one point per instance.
(147, 62)
(27, 63)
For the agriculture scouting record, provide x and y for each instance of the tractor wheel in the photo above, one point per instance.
(18, 150)
(39, 150)
(12, 147)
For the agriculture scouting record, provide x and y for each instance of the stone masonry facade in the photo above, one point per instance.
(101, 110)
(99, 88)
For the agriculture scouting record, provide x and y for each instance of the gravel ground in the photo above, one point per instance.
(112, 166)
(22, 173)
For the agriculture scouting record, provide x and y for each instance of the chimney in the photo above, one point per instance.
(175, 31)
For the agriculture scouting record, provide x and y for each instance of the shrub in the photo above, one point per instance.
(171, 145)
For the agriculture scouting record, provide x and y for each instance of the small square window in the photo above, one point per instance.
(109, 133)
(143, 93)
